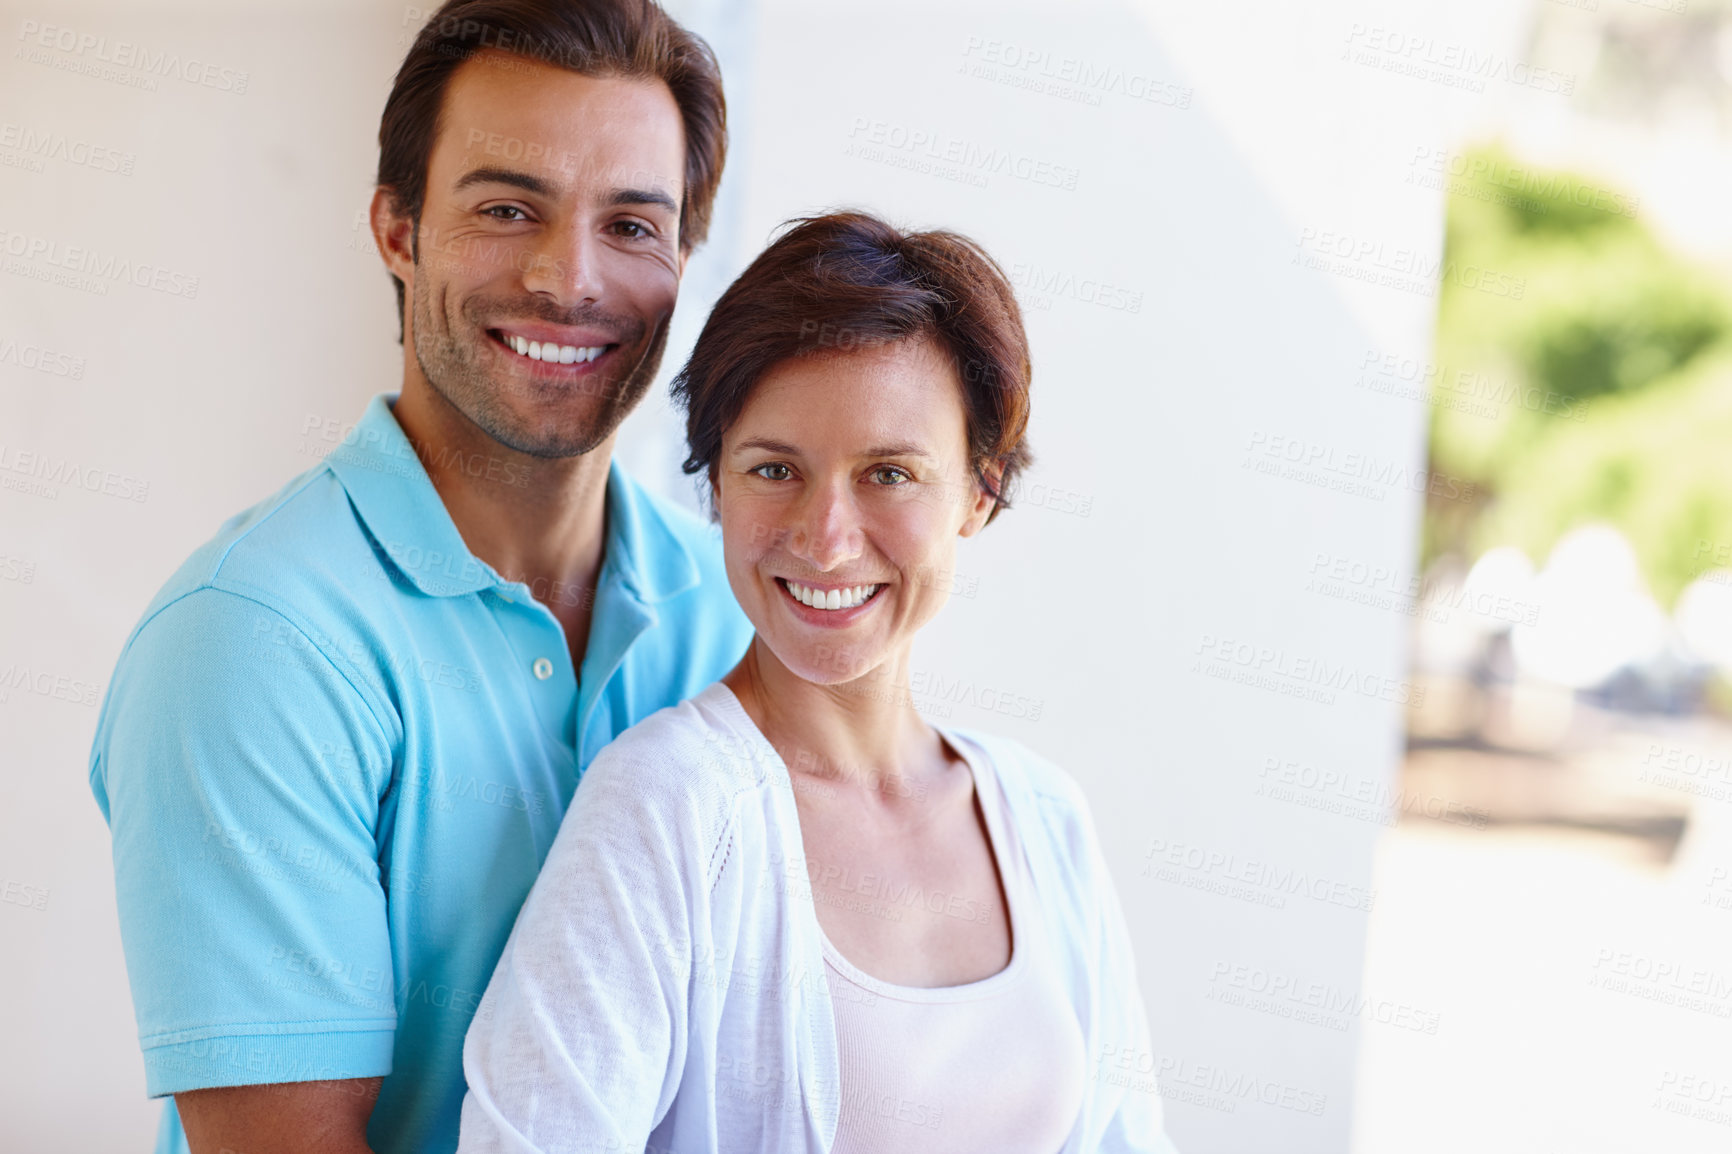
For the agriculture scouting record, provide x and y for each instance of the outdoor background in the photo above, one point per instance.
(1374, 579)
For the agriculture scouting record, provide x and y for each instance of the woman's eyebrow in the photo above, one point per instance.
(898, 450)
(774, 446)
(766, 444)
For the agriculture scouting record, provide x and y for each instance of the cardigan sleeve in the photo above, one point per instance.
(1134, 1124)
(582, 1034)
(1122, 1113)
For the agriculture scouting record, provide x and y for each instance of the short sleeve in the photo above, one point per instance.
(241, 773)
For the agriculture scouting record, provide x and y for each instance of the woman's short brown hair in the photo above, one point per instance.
(848, 281)
(634, 39)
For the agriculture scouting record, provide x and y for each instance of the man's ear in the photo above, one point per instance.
(393, 235)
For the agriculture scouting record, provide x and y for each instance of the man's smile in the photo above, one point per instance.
(551, 346)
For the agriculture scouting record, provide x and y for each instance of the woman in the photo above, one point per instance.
(790, 914)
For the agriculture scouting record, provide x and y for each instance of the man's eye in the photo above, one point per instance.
(781, 471)
(631, 229)
(496, 210)
(898, 476)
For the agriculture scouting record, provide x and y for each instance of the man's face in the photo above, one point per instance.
(549, 250)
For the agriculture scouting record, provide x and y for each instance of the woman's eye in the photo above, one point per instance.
(897, 476)
(780, 471)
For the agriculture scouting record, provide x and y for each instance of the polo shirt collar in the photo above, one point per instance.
(396, 499)
(649, 555)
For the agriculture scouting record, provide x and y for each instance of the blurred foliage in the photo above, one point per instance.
(1584, 373)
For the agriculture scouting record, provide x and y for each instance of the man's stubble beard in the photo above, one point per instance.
(451, 367)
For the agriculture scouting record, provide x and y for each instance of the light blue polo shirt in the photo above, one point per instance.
(334, 754)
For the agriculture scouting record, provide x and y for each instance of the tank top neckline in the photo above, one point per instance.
(1009, 874)
(1009, 870)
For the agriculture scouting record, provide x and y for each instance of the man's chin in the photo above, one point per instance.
(549, 433)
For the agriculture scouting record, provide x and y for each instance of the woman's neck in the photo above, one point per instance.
(865, 732)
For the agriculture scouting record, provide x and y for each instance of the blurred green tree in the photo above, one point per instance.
(1584, 373)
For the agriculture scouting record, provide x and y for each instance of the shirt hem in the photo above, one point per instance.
(266, 1055)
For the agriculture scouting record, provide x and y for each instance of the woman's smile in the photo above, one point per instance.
(829, 605)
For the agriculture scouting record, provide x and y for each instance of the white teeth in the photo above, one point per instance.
(550, 353)
(831, 599)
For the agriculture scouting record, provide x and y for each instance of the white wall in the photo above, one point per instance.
(1145, 532)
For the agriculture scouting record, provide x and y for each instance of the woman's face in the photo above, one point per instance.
(847, 475)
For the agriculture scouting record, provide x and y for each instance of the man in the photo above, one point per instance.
(338, 745)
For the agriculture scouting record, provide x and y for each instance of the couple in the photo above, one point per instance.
(783, 912)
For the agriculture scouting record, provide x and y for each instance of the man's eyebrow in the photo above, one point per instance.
(622, 197)
(509, 176)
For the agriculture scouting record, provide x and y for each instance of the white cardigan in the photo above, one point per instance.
(664, 986)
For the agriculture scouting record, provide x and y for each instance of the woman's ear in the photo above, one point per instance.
(984, 502)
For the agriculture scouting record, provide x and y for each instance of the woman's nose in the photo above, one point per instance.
(829, 533)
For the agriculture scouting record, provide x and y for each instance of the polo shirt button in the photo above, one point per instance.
(543, 668)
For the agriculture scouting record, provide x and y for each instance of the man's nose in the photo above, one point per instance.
(565, 267)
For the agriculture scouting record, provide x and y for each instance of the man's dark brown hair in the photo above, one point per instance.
(850, 281)
(632, 39)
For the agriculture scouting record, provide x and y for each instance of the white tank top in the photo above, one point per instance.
(988, 1067)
